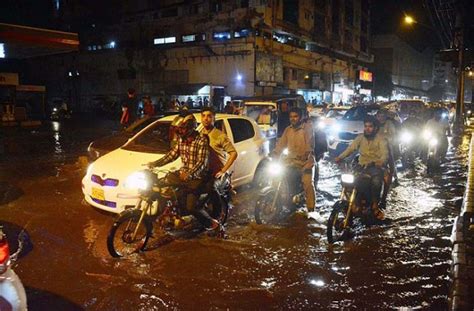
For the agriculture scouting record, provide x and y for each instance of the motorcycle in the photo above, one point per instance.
(408, 152)
(158, 207)
(354, 202)
(60, 113)
(435, 149)
(12, 292)
(284, 193)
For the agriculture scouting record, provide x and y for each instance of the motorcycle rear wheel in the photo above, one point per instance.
(335, 227)
(265, 213)
(120, 242)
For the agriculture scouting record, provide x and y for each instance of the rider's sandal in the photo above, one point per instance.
(379, 214)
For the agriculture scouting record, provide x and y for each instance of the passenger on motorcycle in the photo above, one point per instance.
(388, 129)
(222, 153)
(194, 174)
(374, 154)
(299, 141)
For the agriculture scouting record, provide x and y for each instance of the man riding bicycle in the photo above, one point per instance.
(374, 154)
(192, 177)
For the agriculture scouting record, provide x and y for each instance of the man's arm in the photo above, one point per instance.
(167, 158)
(352, 147)
(202, 154)
(282, 143)
(383, 145)
(232, 154)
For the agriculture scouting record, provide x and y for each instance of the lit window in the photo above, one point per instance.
(189, 38)
(164, 40)
(2, 50)
(223, 35)
(241, 33)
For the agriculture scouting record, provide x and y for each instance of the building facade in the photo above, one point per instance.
(211, 49)
(403, 71)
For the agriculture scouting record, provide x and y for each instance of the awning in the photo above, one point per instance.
(184, 89)
(21, 42)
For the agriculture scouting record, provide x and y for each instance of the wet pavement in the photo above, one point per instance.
(291, 266)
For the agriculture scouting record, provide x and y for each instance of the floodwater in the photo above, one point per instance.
(291, 266)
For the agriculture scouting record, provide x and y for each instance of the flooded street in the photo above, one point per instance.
(292, 267)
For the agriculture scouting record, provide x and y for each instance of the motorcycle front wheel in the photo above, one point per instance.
(335, 227)
(121, 240)
(265, 211)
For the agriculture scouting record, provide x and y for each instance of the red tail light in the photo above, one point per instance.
(4, 251)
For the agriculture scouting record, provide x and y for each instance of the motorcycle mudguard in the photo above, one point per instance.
(136, 212)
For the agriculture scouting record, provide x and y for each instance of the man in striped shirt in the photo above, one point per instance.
(193, 175)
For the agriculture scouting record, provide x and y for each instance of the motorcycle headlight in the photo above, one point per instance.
(444, 115)
(136, 180)
(55, 109)
(347, 178)
(406, 137)
(321, 125)
(335, 129)
(433, 142)
(285, 151)
(275, 169)
(427, 134)
(469, 112)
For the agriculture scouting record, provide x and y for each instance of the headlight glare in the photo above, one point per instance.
(406, 137)
(136, 180)
(347, 178)
(275, 169)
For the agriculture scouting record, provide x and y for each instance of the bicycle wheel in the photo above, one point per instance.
(121, 240)
(335, 227)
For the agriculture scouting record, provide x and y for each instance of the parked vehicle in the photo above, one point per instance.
(354, 202)
(104, 184)
(12, 292)
(158, 213)
(272, 112)
(282, 196)
(346, 129)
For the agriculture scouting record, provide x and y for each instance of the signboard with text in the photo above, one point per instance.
(365, 75)
(9, 78)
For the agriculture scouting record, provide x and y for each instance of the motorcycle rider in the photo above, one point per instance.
(439, 130)
(193, 149)
(298, 139)
(222, 153)
(374, 154)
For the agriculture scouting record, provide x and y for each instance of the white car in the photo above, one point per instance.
(104, 185)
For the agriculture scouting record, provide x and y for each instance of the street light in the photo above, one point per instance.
(409, 20)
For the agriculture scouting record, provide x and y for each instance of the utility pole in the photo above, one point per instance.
(459, 121)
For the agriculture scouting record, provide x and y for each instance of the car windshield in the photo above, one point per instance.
(155, 139)
(335, 114)
(260, 113)
(140, 124)
(359, 113)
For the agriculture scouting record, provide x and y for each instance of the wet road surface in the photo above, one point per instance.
(291, 266)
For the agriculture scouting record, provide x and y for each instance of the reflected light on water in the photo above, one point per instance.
(56, 126)
(317, 282)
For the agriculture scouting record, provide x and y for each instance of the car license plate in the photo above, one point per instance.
(98, 194)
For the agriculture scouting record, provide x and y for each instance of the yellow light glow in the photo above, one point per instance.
(409, 20)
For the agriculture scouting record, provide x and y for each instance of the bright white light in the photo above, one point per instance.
(335, 129)
(347, 178)
(285, 151)
(275, 168)
(318, 283)
(433, 142)
(446, 80)
(321, 125)
(2, 50)
(406, 137)
(70, 74)
(136, 180)
(112, 44)
(427, 134)
(239, 77)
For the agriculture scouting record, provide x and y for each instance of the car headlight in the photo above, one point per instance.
(347, 178)
(433, 142)
(136, 180)
(427, 134)
(406, 137)
(275, 169)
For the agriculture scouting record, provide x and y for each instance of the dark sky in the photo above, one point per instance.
(387, 17)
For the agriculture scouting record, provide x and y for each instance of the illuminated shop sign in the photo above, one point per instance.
(365, 76)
